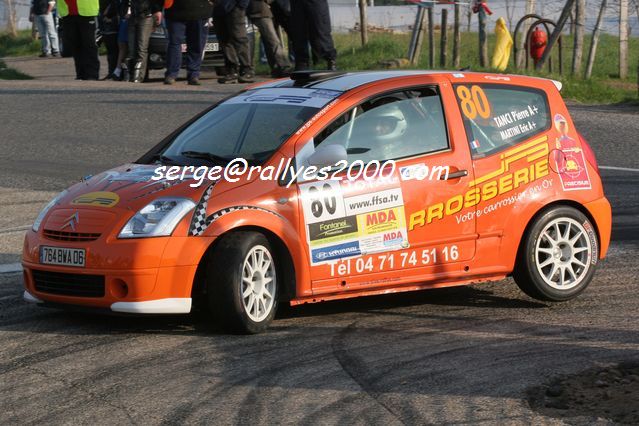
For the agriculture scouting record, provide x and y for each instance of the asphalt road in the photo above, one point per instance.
(459, 355)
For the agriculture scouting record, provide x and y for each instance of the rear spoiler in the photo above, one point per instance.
(558, 84)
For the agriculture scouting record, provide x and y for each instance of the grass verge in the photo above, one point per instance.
(604, 86)
(11, 74)
(22, 45)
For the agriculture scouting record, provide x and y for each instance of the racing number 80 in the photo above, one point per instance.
(330, 202)
(473, 102)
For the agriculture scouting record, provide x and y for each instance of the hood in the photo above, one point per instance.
(128, 187)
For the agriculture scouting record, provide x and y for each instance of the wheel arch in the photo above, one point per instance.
(558, 203)
(285, 264)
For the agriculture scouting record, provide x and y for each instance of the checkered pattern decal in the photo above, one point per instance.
(199, 222)
(218, 214)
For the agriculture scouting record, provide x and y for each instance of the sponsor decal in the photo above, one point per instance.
(334, 252)
(353, 218)
(568, 159)
(501, 181)
(331, 231)
(393, 238)
(374, 201)
(381, 221)
(99, 199)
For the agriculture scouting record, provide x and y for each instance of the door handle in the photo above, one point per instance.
(454, 175)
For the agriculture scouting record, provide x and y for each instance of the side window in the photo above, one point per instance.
(497, 117)
(392, 126)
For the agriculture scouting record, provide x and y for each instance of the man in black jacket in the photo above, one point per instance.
(185, 21)
(143, 15)
(229, 17)
(311, 23)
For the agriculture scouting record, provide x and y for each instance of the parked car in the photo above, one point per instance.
(491, 180)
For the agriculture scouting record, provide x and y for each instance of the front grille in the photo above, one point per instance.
(70, 236)
(69, 284)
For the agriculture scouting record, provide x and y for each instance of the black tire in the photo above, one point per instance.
(225, 267)
(539, 283)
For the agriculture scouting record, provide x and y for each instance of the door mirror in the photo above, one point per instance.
(327, 155)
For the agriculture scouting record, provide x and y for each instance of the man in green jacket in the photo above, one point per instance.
(79, 20)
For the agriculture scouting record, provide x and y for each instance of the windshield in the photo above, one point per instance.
(251, 126)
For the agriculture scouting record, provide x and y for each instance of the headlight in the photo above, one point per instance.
(158, 218)
(45, 210)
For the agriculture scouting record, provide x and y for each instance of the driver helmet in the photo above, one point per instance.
(388, 123)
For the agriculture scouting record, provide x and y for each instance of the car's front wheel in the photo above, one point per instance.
(242, 282)
(558, 256)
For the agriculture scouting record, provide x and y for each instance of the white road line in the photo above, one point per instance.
(621, 169)
(15, 229)
(8, 268)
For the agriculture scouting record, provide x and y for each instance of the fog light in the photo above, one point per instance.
(154, 57)
(119, 288)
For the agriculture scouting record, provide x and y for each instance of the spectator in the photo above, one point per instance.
(121, 72)
(109, 21)
(229, 17)
(78, 21)
(142, 17)
(41, 13)
(282, 18)
(311, 22)
(185, 21)
(259, 12)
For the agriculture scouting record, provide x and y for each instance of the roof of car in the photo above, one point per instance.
(343, 82)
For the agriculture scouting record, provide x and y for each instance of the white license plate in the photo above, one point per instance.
(62, 256)
(209, 47)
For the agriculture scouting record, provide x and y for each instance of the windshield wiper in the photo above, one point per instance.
(163, 158)
(205, 156)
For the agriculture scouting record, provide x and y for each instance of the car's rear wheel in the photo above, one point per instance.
(242, 282)
(558, 256)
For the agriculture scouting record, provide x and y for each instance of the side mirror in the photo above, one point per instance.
(327, 155)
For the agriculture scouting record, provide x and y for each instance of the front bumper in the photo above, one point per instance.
(141, 276)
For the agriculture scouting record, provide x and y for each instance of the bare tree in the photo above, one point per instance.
(580, 23)
(595, 39)
(10, 11)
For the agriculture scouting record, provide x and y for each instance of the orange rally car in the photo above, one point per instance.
(489, 178)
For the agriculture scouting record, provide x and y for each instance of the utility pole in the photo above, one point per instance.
(431, 38)
(623, 39)
(578, 47)
(363, 22)
(443, 48)
(456, 37)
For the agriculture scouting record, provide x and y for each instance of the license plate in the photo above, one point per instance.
(62, 256)
(209, 47)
